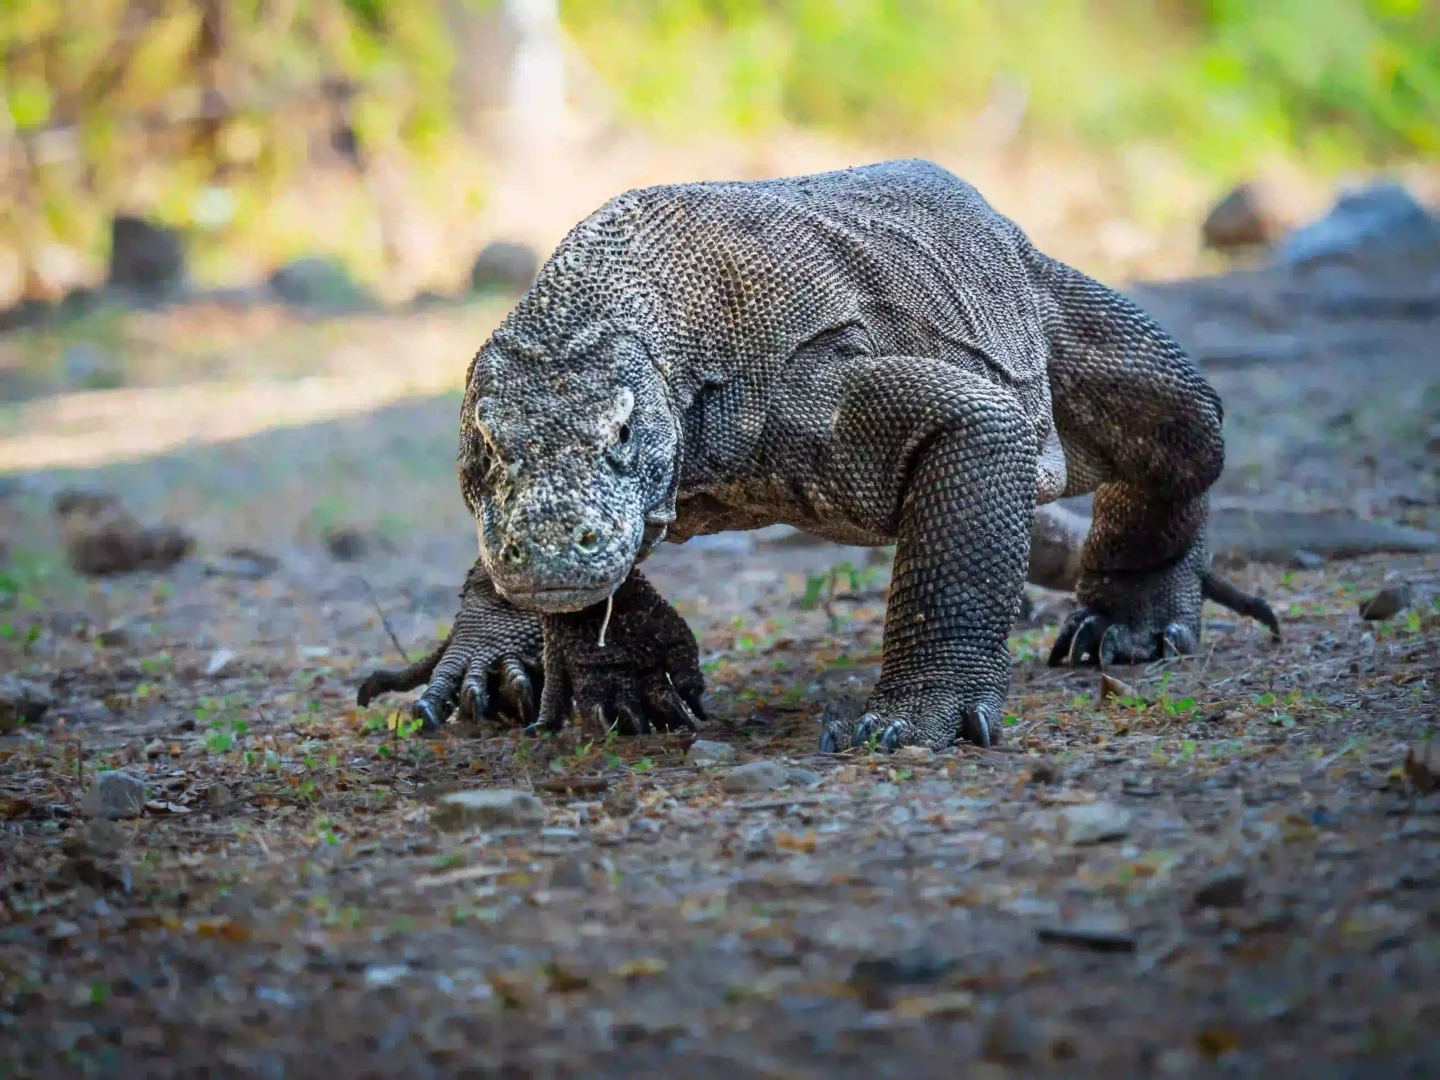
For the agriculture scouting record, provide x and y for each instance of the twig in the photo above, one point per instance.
(375, 600)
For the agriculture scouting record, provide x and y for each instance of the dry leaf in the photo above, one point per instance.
(645, 965)
(158, 806)
(952, 1003)
(1113, 687)
(803, 844)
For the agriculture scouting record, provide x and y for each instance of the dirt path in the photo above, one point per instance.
(1226, 873)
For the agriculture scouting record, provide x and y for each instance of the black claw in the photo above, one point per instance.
(634, 718)
(1109, 648)
(865, 730)
(830, 740)
(975, 726)
(429, 715)
(517, 689)
(473, 700)
(680, 712)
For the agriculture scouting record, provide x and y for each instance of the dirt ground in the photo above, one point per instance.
(1228, 871)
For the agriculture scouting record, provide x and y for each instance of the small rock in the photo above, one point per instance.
(570, 874)
(1112, 687)
(1379, 223)
(754, 776)
(102, 538)
(346, 543)
(1097, 932)
(1223, 889)
(1010, 1039)
(1093, 823)
(1386, 604)
(145, 257)
(488, 808)
(1242, 219)
(22, 702)
(219, 663)
(323, 284)
(244, 563)
(114, 637)
(705, 753)
(219, 795)
(1044, 771)
(116, 795)
(504, 266)
(156, 748)
(1301, 559)
(914, 753)
(803, 777)
(381, 976)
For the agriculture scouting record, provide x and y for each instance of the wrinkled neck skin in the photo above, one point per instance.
(569, 459)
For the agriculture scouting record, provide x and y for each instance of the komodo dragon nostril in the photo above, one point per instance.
(587, 539)
(512, 554)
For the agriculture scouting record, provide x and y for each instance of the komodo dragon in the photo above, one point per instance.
(873, 355)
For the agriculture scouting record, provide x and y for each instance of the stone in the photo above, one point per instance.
(803, 777)
(488, 808)
(1381, 223)
(1093, 823)
(321, 284)
(22, 702)
(1099, 933)
(1301, 559)
(1225, 888)
(220, 663)
(115, 637)
(504, 266)
(156, 748)
(1386, 604)
(705, 753)
(1421, 767)
(1242, 219)
(102, 538)
(115, 795)
(764, 775)
(346, 543)
(145, 257)
(1010, 1038)
(244, 563)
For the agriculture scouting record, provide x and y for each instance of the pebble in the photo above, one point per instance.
(114, 637)
(219, 662)
(1386, 604)
(22, 702)
(1243, 218)
(116, 795)
(488, 808)
(1010, 1039)
(803, 777)
(1224, 889)
(1300, 559)
(754, 776)
(705, 753)
(1098, 932)
(1093, 823)
(155, 748)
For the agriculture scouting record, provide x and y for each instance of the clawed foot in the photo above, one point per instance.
(936, 718)
(1089, 636)
(644, 678)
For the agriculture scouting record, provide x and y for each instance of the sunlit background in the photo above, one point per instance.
(399, 137)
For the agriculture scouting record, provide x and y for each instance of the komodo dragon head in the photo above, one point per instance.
(568, 462)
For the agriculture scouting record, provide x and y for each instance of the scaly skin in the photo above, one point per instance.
(875, 356)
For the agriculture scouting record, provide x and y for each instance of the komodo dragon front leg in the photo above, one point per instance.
(945, 462)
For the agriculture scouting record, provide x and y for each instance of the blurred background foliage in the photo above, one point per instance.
(208, 113)
(1227, 81)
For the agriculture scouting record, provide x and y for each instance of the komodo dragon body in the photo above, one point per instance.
(873, 355)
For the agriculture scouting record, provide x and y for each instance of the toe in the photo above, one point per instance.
(1178, 640)
(833, 739)
(633, 718)
(518, 690)
(978, 726)
(430, 712)
(897, 733)
(866, 729)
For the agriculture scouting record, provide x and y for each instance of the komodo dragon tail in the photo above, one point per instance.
(1225, 593)
(399, 680)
